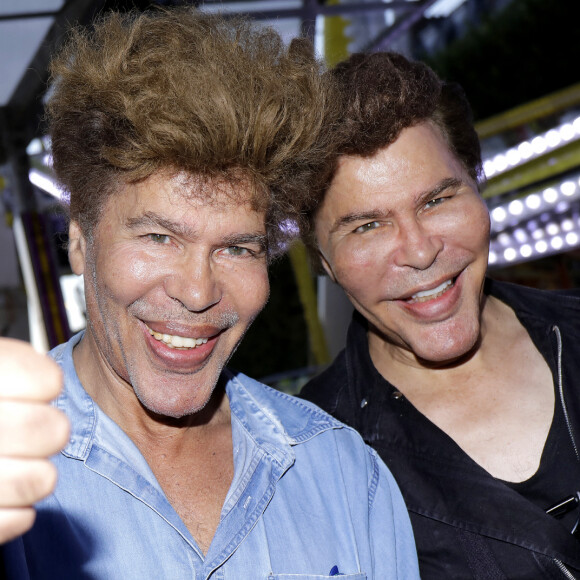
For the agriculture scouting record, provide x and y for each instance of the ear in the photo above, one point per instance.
(327, 267)
(77, 247)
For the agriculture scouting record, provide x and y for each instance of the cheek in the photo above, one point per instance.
(250, 290)
(468, 226)
(359, 265)
(485, 227)
(124, 274)
(262, 290)
(477, 234)
(138, 268)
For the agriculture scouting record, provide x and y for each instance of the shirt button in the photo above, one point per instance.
(397, 395)
(364, 403)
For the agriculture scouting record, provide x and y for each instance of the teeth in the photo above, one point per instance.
(174, 341)
(425, 295)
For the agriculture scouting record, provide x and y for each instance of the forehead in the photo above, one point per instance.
(175, 193)
(402, 171)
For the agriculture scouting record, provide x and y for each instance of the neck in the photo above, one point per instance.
(401, 366)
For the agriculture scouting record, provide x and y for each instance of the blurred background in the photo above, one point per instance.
(516, 59)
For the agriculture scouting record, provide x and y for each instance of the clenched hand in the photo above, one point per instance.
(30, 432)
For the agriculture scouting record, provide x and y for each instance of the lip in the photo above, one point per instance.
(177, 359)
(431, 286)
(199, 331)
(436, 308)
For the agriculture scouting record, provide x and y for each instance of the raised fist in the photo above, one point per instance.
(30, 432)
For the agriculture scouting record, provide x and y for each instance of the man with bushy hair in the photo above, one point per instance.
(183, 141)
(465, 386)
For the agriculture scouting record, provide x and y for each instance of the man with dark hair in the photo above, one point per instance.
(184, 140)
(463, 385)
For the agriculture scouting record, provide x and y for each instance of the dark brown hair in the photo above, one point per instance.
(382, 94)
(181, 91)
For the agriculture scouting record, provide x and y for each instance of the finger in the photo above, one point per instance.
(31, 429)
(27, 374)
(23, 482)
(14, 522)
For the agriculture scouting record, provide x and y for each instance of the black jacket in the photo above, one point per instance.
(467, 524)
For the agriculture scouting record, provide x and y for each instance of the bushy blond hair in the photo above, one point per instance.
(179, 90)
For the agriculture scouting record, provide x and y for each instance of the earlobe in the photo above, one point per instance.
(76, 248)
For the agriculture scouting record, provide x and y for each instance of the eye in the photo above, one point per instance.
(159, 238)
(257, 251)
(366, 227)
(238, 251)
(435, 202)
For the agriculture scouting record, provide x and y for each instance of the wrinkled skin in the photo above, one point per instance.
(163, 261)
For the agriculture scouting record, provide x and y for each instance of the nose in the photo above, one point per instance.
(194, 283)
(416, 247)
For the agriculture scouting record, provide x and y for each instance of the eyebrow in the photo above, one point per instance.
(349, 218)
(152, 219)
(373, 214)
(258, 238)
(447, 183)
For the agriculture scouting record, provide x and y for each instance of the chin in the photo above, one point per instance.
(446, 355)
(173, 407)
(174, 412)
(449, 349)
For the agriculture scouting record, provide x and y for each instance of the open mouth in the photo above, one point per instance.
(175, 341)
(426, 295)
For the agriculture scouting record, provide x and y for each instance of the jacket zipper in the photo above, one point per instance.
(564, 570)
(556, 330)
(561, 391)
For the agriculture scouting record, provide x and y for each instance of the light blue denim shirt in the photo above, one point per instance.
(308, 501)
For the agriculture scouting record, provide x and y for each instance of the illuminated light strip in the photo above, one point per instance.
(527, 150)
(556, 198)
(45, 183)
(565, 236)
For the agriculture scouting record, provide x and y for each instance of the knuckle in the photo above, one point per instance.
(30, 481)
(26, 373)
(61, 430)
(31, 429)
(25, 481)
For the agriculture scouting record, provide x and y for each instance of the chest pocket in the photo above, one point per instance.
(317, 577)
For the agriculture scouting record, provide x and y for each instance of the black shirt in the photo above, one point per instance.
(558, 475)
(467, 524)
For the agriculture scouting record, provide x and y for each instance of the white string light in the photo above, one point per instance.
(542, 223)
(519, 246)
(554, 199)
(529, 149)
